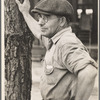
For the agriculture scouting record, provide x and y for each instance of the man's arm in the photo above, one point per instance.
(33, 25)
(86, 79)
(31, 22)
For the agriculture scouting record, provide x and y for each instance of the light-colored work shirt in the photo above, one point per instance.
(62, 63)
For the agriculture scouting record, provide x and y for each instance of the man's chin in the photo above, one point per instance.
(45, 35)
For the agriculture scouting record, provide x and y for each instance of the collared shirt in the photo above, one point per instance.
(61, 64)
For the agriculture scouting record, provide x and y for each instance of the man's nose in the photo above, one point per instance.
(41, 22)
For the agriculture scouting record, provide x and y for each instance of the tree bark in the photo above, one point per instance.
(18, 44)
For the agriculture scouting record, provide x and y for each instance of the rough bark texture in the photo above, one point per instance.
(18, 44)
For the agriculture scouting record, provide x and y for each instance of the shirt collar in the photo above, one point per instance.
(57, 36)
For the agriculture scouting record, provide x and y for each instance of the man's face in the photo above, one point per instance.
(49, 24)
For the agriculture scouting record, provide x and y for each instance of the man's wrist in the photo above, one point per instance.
(25, 13)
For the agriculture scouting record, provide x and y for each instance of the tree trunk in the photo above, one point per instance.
(18, 44)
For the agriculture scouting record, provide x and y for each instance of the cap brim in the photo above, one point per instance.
(40, 12)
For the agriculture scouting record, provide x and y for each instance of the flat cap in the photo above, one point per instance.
(56, 7)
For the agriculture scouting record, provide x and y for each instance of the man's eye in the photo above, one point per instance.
(37, 20)
(47, 16)
(39, 16)
(44, 17)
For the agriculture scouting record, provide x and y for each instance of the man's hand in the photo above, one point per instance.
(23, 7)
(31, 22)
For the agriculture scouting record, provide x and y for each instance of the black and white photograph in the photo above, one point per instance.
(50, 50)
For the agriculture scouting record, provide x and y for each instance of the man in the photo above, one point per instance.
(69, 71)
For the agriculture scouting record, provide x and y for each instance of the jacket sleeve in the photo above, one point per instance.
(75, 57)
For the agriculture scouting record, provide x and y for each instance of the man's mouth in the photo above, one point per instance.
(43, 29)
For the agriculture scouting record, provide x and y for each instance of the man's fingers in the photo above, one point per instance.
(26, 1)
(23, 7)
(18, 2)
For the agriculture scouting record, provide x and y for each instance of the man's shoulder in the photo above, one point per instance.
(68, 39)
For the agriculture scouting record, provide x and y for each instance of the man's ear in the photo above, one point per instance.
(62, 21)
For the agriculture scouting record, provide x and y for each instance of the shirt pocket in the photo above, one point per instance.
(50, 75)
